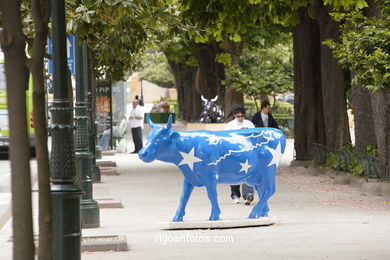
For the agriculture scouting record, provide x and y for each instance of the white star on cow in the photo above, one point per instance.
(189, 158)
(276, 155)
(245, 166)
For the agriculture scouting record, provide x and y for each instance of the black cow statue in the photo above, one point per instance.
(212, 112)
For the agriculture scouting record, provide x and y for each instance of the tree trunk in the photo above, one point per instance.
(333, 81)
(232, 96)
(209, 74)
(207, 80)
(12, 41)
(363, 117)
(381, 106)
(196, 104)
(185, 85)
(41, 15)
(380, 102)
(309, 121)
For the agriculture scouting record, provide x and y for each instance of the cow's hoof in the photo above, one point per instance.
(214, 217)
(254, 215)
(177, 219)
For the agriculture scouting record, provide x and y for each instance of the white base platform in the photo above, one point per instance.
(225, 223)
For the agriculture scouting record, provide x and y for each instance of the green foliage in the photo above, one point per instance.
(118, 32)
(283, 108)
(180, 49)
(224, 58)
(345, 159)
(266, 71)
(372, 150)
(233, 20)
(348, 147)
(156, 69)
(331, 161)
(346, 4)
(356, 167)
(364, 47)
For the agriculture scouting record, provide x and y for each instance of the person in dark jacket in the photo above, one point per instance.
(263, 118)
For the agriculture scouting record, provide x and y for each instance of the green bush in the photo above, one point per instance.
(345, 159)
(356, 167)
(331, 161)
(372, 150)
(283, 108)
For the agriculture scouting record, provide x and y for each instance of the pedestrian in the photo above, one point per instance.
(239, 122)
(118, 132)
(140, 101)
(263, 118)
(136, 121)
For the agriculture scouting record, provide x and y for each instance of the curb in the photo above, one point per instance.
(104, 243)
(109, 171)
(106, 163)
(109, 203)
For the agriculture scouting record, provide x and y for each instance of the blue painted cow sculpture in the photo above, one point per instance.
(208, 158)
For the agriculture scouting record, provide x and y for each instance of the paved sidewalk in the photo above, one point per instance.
(318, 219)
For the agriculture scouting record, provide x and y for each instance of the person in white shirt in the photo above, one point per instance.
(136, 121)
(239, 122)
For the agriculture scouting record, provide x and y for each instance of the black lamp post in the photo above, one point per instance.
(89, 208)
(142, 94)
(65, 193)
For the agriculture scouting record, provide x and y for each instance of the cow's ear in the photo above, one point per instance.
(169, 124)
(150, 123)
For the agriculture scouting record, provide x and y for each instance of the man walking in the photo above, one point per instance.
(136, 121)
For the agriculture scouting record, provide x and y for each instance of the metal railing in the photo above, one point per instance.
(345, 160)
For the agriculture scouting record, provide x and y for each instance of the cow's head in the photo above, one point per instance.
(209, 104)
(159, 140)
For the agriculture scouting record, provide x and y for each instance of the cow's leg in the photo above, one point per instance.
(211, 188)
(185, 195)
(265, 190)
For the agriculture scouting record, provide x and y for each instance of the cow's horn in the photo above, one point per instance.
(150, 123)
(214, 99)
(169, 124)
(203, 99)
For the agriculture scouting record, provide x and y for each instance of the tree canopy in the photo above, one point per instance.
(156, 69)
(267, 71)
(118, 32)
(364, 47)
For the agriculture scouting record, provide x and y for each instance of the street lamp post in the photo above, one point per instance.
(89, 208)
(94, 147)
(65, 193)
(142, 94)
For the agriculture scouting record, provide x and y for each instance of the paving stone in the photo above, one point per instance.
(106, 163)
(109, 203)
(108, 153)
(103, 243)
(109, 171)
